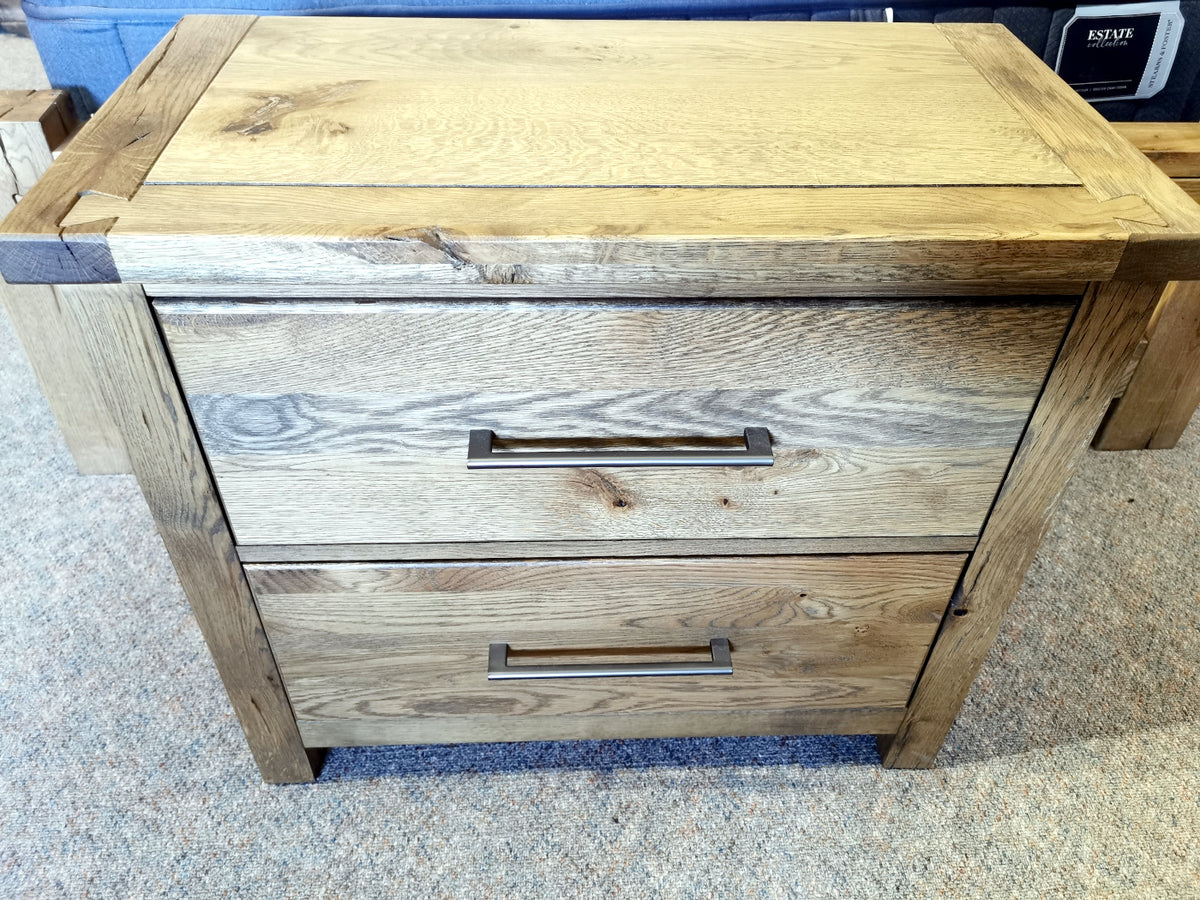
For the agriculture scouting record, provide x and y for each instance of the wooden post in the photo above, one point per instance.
(32, 125)
(123, 343)
(1111, 320)
(1164, 392)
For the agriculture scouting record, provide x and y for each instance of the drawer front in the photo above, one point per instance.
(374, 653)
(344, 423)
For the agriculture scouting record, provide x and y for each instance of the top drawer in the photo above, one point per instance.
(344, 422)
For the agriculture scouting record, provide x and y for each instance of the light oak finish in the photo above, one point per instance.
(626, 726)
(1108, 165)
(371, 651)
(807, 493)
(479, 550)
(1172, 146)
(887, 419)
(763, 162)
(1131, 366)
(1190, 186)
(369, 107)
(1110, 321)
(530, 241)
(137, 381)
(1159, 400)
(32, 125)
(649, 290)
(325, 143)
(54, 347)
(112, 153)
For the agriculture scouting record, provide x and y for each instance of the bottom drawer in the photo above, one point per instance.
(399, 653)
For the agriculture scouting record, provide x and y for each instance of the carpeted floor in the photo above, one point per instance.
(20, 67)
(1073, 771)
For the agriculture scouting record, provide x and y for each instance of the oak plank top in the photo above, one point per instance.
(111, 154)
(496, 103)
(416, 156)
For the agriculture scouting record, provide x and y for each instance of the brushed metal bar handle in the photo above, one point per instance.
(758, 452)
(721, 664)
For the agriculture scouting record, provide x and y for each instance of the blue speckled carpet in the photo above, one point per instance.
(1073, 771)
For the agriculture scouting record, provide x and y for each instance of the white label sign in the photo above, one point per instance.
(1120, 51)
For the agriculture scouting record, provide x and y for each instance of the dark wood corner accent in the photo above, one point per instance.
(50, 111)
(112, 153)
(1160, 257)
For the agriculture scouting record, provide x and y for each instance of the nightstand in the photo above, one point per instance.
(506, 380)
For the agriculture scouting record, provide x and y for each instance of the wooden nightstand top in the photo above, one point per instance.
(622, 104)
(515, 158)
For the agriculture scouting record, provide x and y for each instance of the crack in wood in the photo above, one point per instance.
(436, 238)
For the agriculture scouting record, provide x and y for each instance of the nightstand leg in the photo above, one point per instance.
(55, 353)
(137, 380)
(32, 125)
(1165, 389)
(1110, 321)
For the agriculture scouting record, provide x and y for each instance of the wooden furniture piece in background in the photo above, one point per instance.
(1172, 146)
(12, 18)
(323, 312)
(1163, 391)
(33, 125)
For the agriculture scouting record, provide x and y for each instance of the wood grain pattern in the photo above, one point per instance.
(343, 102)
(122, 340)
(50, 107)
(112, 153)
(1172, 146)
(29, 131)
(490, 550)
(918, 242)
(32, 125)
(1190, 186)
(11, 97)
(330, 423)
(806, 494)
(1134, 359)
(407, 644)
(33, 118)
(883, 422)
(28, 135)
(289, 111)
(1108, 326)
(1164, 392)
(621, 241)
(993, 349)
(54, 347)
(54, 110)
(1106, 163)
(433, 424)
(730, 723)
(648, 290)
